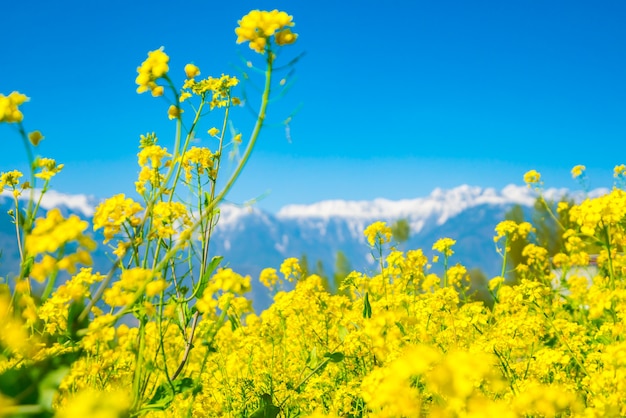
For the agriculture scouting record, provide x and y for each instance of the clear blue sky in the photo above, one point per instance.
(395, 98)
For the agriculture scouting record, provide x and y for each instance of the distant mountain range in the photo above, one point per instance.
(251, 239)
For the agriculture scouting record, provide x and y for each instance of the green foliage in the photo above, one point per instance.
(342, 269)
(401, 230)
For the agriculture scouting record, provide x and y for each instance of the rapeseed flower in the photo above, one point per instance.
(9, 107)
(378, 233)
(532, 177)
(174, 112)
(191, 71)
(578, 171)
(49, 168)
(10, 179)
(35, 137)
(444, 246)
(151, 70)
(258, 26)
(115, 212)
(54, 231)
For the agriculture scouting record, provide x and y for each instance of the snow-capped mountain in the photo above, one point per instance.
(251, 239)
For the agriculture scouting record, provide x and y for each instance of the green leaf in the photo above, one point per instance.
(367, 308)
(312, 360)
(336, 357)
(267, 408)
(343, 333)
(401, 327)
(184, 384)
(27, 266)
(49, 386)
(204, 280)
(162, 398)
(73, 323)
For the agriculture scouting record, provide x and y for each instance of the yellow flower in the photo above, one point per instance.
(532, 177)
(9, 111)
(227, 280)
(495, 282)
(191, 71)
(268, 277)
(35, 137)
(154, 153)
(290, 268)
(199, 158)
(155, 287)
(152, 69)
(49, 168)
(444, 246)
(113, 213)
(174, 112)
(54, 231)
(169, 216)
(214, 131)
(285, 37)
(378, 233)
(219, 89)
(92, 403)
(10, 179)
(258, 26)
(578, 171)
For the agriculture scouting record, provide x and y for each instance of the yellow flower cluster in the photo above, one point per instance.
(169, 218)
(54, 231)
(512, 230)
(114, 212)
(290, 269)
(218, 90)
(9, 111)
(378, 233)
(198, 160)
(532, 177)
(604, 213)
(444, 246)
(48, 168)
(152, 69)
(10, 179)
(133, 340)
(160, 337)
(258, 26)
(578, 171)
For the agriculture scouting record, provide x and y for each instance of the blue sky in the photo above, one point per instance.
(393, 98)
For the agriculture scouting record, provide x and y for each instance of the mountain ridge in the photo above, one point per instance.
(251, 239)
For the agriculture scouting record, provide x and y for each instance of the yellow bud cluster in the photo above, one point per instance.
(9, 111)
(153, 68)
(258, 26)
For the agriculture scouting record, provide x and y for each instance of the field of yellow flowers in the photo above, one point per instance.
(168, 332)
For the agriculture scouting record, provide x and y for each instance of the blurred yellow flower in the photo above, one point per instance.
(49, 168)
(153, 68)
(9, 111)
(378, 233)
(444, 246)
(532, 177)
(35, 137)
(578, 171)
(174, 112)
(258, 26)
(191, 71)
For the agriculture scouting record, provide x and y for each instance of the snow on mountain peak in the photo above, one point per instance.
(52, 199)
(441, 203)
